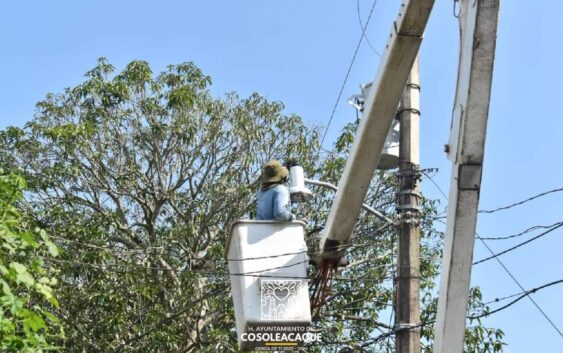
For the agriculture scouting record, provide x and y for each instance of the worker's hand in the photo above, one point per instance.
(302, 218)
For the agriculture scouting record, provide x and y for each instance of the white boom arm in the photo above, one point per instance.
(380, 108)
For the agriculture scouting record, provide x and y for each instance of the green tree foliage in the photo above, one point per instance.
(27, 302)
(140, 176)
(358, 315)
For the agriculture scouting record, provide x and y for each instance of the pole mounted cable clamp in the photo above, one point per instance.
(408, 207)
(412, 110)
(408, 192)
(402, 110)
(406, 327)
(412, 170)
(409, 217)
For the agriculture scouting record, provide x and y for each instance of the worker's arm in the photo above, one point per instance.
(281, 205)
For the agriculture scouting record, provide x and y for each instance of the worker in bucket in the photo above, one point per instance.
(273, 196)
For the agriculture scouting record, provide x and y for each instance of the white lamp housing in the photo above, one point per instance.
(298, 191)
(390, 155)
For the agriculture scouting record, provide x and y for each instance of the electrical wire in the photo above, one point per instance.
(434, 183)
(347, 74)
(522, 295)
(503, 207)
(542, 312)
(522, 202)
(525, 294)
(363, 31)
(528, 230)
(112, 268)
(512, 236)
(169, 318)
(497, 300)
(133, 269)
(268, 256)
(141, 251)
(457, 9)
(493, 256)
(269, 269)
(108, 248)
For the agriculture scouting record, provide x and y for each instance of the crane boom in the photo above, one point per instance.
(379, 111)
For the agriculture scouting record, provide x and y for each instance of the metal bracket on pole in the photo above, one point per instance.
(412, 216)
(406, 327)
(413, 171)
(408, 207)
(408, 192)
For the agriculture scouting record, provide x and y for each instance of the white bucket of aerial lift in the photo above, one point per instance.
(268, 271)
(298, 191)
(390, 155)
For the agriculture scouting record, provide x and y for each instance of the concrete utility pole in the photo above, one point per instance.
(408, 269)
(466, 151)
(380, 108)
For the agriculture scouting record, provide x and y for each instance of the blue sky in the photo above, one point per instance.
(298, 52)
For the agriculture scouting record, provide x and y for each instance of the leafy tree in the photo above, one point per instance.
(358, 314)
(140, 176)
(27, 322)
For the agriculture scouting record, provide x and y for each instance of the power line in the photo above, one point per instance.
(169, 318)
(269, 269)
(471, 317)
(499, 208)
(435, 184)
(146, 250)
(516, 300)
(348, 73)
(456, 9)
(140, 266)
(496, 300)
(521, 202)
(543, 313)
(108, 248)
(550, 227)
(522, 288)
(504, 307)
(528, 230)
(518, 245)
(268, 256)
(363, 31)
(134, 268)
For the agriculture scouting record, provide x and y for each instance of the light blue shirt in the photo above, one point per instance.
(274, 204)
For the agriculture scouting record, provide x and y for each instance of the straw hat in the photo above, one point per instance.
(273, 172)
